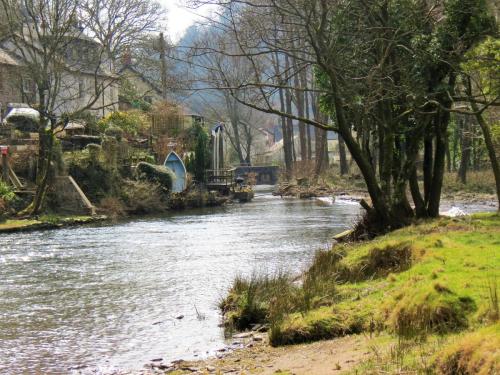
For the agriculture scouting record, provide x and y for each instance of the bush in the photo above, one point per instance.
(131, 122)
(96, 180)
(142, 197)
(475, 353)
(112, 207)
(6, 193)
(157, 174)
(114, 132)
(430, 310)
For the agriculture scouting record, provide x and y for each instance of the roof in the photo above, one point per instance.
(7, 59)
(74, 126)
(142, 77)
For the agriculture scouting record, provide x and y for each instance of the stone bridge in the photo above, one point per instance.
(265, 174)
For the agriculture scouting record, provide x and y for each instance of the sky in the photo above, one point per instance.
(179, 18)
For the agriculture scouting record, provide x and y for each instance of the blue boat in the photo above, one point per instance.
(176, 165)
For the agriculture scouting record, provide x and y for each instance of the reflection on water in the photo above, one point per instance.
(108, 296)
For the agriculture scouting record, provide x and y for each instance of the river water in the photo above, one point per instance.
(107, 297)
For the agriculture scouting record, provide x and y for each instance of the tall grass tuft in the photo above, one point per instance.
(494, 309)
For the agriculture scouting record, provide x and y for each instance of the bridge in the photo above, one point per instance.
(264, 174)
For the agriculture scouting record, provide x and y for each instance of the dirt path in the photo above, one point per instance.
(319, 358)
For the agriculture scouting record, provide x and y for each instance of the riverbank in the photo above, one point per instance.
(426, 294)
(46, 222)
(479, 189)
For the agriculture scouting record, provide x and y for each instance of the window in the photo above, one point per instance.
(81, 88)
(28, 86)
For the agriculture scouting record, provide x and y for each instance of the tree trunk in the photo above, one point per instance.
(428, 163)
(465, 145)
(448, 156)
(439, 163)
(488, 140)
(344, 166)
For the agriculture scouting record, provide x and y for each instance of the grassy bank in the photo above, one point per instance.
(46, 222)
(435, 283)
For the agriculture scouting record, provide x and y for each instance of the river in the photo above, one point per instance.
(100, 298)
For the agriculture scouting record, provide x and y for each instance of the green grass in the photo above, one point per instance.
(14, 224)
(429, 281)
(21, 224)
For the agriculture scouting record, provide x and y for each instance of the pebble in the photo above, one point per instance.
(243, 335)
(179, 317)
(211, 368)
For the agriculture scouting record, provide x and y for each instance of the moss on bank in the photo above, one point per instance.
(437, 278)
(47, 222)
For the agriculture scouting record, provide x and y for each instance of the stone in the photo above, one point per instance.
(179, 317)
(211, 368)
(243, 335)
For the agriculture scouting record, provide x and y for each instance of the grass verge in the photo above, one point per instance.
(427, 283)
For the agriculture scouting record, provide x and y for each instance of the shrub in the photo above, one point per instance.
(112, 206)
(430, 310)
(475, 353)
(6, 193)
(96, 180)
(130, 122)
(114, 132)
(141, 197)
(158, 174)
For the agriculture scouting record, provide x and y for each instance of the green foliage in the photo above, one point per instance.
(483, 62)
(6, 192)
(114, 132)
(198, 163)
(131, 122)
(94, 176)
(157, 174)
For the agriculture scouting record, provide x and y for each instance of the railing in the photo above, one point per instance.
(223, 177)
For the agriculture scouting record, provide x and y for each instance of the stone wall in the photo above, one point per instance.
(10, 86)
(70, 199)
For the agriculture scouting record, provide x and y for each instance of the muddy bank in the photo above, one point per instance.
(317, 191)
(255, 356)
(470, 201)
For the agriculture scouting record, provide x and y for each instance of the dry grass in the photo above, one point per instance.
(420, 312)
(475, 353)
(477, 182)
